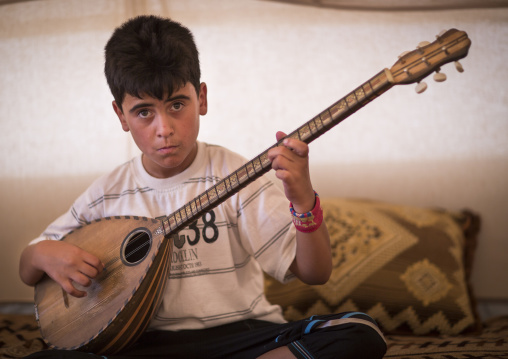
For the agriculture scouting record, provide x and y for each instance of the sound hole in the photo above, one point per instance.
(136, 246)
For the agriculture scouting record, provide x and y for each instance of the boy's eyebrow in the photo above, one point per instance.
(139, 105)
(177, 97)
(147, 104)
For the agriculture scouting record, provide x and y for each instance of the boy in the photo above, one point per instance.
(214, 305)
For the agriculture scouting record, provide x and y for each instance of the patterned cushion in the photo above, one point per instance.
(19, 336)
(491, 343)
(406, 267)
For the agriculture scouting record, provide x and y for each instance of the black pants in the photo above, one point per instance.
(346, 335)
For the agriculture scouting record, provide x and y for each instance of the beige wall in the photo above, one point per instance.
(268, 66)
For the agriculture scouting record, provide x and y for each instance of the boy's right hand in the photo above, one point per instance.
(65, 263)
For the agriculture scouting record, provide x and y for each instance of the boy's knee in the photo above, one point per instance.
(344, 337)
(365, 343)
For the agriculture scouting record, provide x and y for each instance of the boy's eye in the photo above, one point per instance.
(177, 106)
(144, 113)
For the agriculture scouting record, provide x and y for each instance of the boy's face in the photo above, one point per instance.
(165, 130)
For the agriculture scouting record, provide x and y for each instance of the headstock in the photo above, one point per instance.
(451, 45)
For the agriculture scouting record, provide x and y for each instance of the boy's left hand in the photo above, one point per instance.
(291, 165)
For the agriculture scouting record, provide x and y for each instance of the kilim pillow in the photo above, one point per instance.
(406, 267)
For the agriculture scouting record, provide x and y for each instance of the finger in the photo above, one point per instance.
(282, 151)
(277, 150)
(298, 147)
(283, 175)
(93, 262)
(88, 270)
(69, 288)
(281, 161)
(284, 170)
(280, 135)
(81, 279)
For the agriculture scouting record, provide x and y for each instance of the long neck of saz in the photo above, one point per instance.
(258, 166)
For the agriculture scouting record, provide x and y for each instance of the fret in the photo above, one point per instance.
(294, 135)
(338, 109)
(203, 199)
(188, 210)
(318, 122)
(326, 118)
(178, 218)
(359, 94)
(380, 83)
(172, 222)
(227, 181)
(221, 189)
(351, 101)
(194, 208)
(250, 169)
(304, 132)
(199, 207)
(234, 181)
(312, 126)
(242, 175)
(263, 158)
(182, 213)
(369, 91)
(165, 225)
(212, 195)
(257, 164)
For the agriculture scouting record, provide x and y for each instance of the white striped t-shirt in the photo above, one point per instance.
(216, 273)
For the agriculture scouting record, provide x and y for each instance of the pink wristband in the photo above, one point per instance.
(310, 221)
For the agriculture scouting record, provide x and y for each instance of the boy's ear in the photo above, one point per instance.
(203, 101)
(121, 117)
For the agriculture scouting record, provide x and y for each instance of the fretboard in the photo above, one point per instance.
(260, 164)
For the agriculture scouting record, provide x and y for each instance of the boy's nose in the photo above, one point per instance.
(165, 126)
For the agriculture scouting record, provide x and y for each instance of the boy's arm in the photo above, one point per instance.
(313, 260)
(312, 263)
(63, 262)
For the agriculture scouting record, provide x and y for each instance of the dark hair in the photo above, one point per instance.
(150, 55)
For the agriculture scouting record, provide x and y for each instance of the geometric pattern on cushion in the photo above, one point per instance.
(407, 267)
(491, 343)
(19, 336)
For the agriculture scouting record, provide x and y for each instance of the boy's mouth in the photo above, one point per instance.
(167, 149)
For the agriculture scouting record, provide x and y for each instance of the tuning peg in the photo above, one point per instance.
(459, 67)
(441, 33)
(423, 44)
(404, 53)
(439, 77)
(421, 87)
